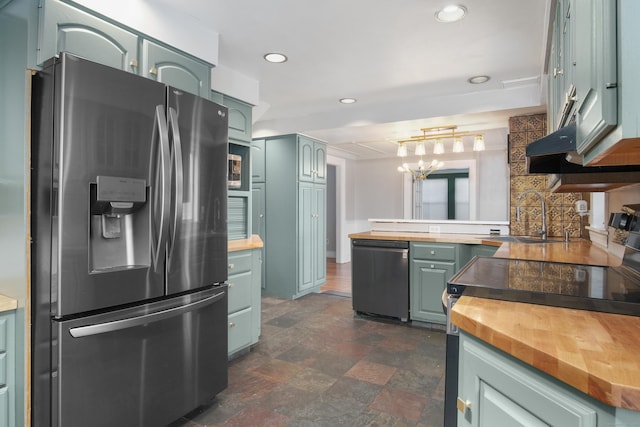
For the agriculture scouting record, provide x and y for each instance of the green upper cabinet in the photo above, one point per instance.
(65, 28)
(561, 64)
(175, 69)
(593, 65)
(312, 160)
(595, 77)
(239, 119)
(257, 160)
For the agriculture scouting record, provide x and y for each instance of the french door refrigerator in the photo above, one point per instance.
(129, 248)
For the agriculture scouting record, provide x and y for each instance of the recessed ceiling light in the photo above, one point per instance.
(451, 13)
(476, 80)
(275, 57)
(347, 100)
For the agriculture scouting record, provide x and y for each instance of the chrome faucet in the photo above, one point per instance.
(543, 232)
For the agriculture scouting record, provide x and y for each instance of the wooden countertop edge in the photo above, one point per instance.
(576, 251)
(253, 242)
(471, 239)
(581, 364)
(7, 304)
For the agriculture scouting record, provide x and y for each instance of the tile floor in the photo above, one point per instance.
(319, 365)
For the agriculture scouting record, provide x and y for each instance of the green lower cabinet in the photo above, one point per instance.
(428, 281)
(243, 299)
(239, 331)
(483, 250)
(7, 370)
(496, 389)
(431, 266)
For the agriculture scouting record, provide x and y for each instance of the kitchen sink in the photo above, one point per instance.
(522, 239)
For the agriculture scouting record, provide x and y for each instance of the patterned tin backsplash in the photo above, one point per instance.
(561, 215)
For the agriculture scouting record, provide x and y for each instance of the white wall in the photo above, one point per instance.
(493, 183)
(375, 187)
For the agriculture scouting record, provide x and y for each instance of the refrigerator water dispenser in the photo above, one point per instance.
(119, 223)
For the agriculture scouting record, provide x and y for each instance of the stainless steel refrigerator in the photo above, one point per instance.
(129, 248)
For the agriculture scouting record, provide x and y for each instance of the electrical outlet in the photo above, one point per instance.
(434, 229)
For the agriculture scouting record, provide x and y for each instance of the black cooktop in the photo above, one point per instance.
(585, 287)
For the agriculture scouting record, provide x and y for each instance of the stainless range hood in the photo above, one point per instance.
(556, 154)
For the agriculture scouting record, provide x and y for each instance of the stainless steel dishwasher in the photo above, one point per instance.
(380, 277)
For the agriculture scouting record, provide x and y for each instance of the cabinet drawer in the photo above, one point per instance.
(239, 330)
(433, 251)
(3, 369)
(239, 262)
(239, 291)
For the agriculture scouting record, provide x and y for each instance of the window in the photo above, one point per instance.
(443, 195)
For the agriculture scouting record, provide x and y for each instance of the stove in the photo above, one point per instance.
(578, 286)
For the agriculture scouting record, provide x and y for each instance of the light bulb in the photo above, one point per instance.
(478, 143)
(438, 147)
(458, 147)
(402, 150)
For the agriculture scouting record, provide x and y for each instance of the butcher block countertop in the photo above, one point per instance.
(576, 251)
(597, 353)
(253, 242)
(7, 304)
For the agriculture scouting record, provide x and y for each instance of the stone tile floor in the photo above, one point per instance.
(318, 364)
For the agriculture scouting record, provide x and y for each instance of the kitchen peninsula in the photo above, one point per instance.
(587, 357)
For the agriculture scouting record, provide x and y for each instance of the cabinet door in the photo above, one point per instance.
(320, 163)
(239, 119)
(428, 281)
(483, 250)
(258, 219)
(504, 392)
(320, 234)
(258, 160)
(65, 28)
(306, 243)
(177, 70)
(306, 163)
(595, 74)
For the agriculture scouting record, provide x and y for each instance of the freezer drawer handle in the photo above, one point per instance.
(116, 325)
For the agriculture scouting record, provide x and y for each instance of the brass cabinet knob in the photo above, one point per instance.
(463, 405)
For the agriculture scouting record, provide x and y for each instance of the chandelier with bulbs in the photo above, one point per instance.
(422, 172)
(437, 135)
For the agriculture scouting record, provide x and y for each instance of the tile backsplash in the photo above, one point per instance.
(561, 215)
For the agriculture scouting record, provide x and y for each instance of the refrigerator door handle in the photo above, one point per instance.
(161, 137)
(176, 156)
(116, 325)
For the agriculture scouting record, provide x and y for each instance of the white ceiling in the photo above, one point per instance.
(406, 69)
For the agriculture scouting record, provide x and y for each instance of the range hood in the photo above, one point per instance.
(556, 154)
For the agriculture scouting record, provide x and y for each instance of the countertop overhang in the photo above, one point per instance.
(597, 353)
(575, 251)
(253, 242)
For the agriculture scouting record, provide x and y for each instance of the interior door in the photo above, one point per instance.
(197, 249)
